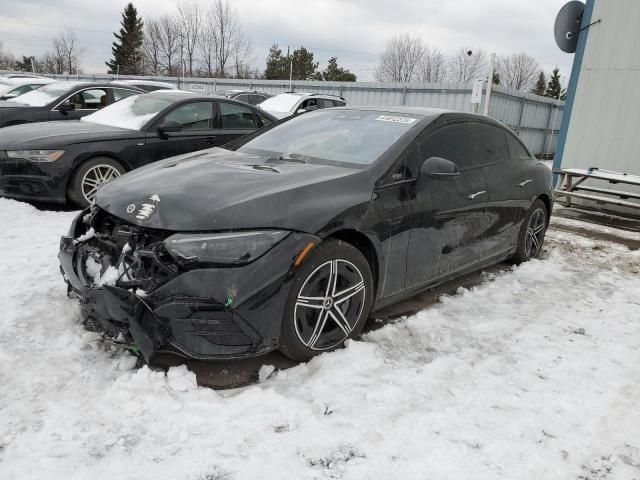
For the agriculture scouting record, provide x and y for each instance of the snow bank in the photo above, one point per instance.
(534, 374)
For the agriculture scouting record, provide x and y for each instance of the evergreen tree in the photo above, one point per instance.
(127, 50)
(541, 85)
(277, 64)
(496, 78)
(26, 65)
(553, 87)
(303, 66)
(334, 73)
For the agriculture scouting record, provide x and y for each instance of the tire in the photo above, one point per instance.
(90, 175)
(320, 316)
(532, 232)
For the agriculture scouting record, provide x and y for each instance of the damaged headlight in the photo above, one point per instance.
(35, 155)
(222, 248)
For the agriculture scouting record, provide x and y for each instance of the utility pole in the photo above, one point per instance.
(487, 96)
(290, 70)
(33, 66)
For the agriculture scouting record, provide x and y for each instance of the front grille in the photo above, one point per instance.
(125, 255)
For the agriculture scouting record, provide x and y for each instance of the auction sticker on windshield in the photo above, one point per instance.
(391, 118)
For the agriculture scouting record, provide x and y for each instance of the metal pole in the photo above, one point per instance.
(487, 96)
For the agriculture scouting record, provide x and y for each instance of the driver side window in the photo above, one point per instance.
(191, 116)
(93, 99)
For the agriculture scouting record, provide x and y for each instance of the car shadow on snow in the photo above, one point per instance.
(237, 373)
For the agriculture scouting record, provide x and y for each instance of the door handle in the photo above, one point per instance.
(477, 194)
(211, 140)
(524, 182)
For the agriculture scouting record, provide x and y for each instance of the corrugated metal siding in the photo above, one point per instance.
(604, 130)
(530, 116)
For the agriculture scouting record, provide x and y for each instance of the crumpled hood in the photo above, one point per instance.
(53, 134)
(218, 189)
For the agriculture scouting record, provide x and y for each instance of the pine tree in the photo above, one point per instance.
(127, 50)
(303, 66)
(277, 64)
(334, 73)
(541, 85)
(496, 78)
(26, 65)
(554, 89)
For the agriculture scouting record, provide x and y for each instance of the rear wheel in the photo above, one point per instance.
(90, 176)
(532, 233)
(329, 302)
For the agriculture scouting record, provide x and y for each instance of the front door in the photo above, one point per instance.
(189, 127)
(450, 214)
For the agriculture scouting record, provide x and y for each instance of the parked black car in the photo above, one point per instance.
(252, 98)
(57, 161)
(62, 101)
(291, 240)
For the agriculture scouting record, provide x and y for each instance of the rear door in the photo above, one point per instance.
(234, 121)
(449, 214)
(195, 120)
(502, 194)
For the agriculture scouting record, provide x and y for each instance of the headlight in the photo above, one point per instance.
(36, 155)
(223, 248)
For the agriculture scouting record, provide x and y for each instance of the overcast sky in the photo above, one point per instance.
(353, 30)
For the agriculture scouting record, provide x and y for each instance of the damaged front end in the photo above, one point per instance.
(132, 286)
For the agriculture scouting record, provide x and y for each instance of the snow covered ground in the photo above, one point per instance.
(534, 374)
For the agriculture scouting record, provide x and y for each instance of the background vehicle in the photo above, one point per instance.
(13, 87)
(252, 98)
(147, 85)
(288, 104)
(293, 238)
(62, 101)
(56, 161)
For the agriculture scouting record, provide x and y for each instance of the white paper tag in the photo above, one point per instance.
(391, 118)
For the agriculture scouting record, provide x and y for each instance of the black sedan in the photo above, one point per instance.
(291, 240)
(250, 97)
(60, 161)
(62, 101)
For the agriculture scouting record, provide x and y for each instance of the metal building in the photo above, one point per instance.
(601, 124)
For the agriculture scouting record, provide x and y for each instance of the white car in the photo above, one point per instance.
(15, 86)
(287, 104)
(147, 85)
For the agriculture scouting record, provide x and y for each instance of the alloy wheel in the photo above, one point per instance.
(95, 177)
(535, 233)
(329, 304)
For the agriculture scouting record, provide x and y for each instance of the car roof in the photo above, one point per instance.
(169, 86)
(25, 80)
(422, 111)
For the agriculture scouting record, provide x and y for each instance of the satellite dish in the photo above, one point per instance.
(567, 26)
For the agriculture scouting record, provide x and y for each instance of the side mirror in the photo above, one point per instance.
(300, 110)
(170, 126)
(67, 107)
(438, 167)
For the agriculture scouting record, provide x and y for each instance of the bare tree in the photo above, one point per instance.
(190, 21)
(7, 60)
(208, 43)
(168, 43)
(151, 47)
(400, 59)
(467, 64)
(433, 66)
(517, 71)
(67, 50)
(227, 32)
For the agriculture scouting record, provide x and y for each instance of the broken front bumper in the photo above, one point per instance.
(194, 314)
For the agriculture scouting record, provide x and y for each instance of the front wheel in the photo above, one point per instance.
(532, 233)
(329, 302)
(90, 176)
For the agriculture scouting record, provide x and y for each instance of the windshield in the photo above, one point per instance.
(45, 94)
(280, 103)
(345, 136)
(132, 112)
